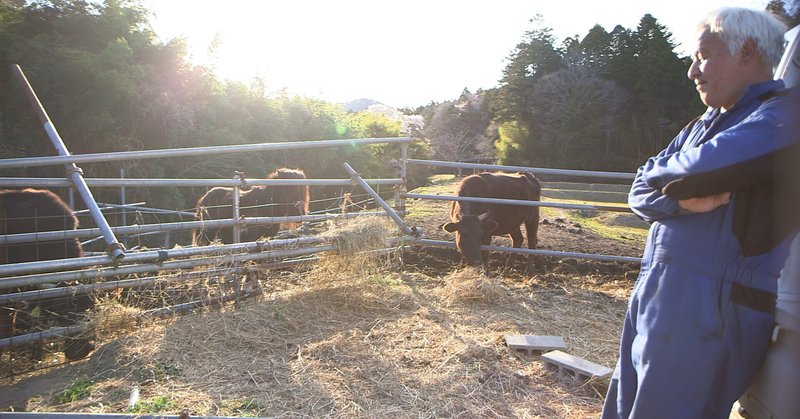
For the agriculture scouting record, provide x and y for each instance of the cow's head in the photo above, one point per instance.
(470, 231)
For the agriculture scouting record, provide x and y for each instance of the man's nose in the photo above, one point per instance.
(694, 70)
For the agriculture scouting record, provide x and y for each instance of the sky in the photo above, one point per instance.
(401, 53)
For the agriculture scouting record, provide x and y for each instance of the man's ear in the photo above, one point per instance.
(748, 51)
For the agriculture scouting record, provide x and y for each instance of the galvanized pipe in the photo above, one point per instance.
(103, 207)
(73, 290)
(154, 255)
(93, 274)
(60, 415)
(229, 257)
(59, 332)
(56, 332)
(191, 151)
(607, 258)
(13, 182)
(176, 226)
(139, 207)
(535, 170)
(114, 248)
(401, 190)
(180, 308)
(123, 204)
(69, 291)
(498, 201)
(357, 179)
(235, 208)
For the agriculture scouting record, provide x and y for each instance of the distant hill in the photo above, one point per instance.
(410, 123)
(359, 105)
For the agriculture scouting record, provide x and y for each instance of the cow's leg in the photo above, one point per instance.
(532, 232)
(516, 239)
(487, 240)
(77, 347)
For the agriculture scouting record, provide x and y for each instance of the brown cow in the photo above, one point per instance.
(475, 223)
(259, 201)
(37, 210)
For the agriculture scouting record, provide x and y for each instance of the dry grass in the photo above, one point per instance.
(354, 337)
(112, 320)
(471, 284)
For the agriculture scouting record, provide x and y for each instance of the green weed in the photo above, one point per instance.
(154, 405)
(79, 389)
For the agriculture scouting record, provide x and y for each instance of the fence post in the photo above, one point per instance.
(400, 190)
(235, 192)
(114, 248)
(122, 203)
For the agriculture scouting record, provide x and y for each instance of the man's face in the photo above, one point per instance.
(716, 72)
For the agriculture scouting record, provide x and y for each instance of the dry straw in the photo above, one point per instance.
(472, 284)
(353, 337)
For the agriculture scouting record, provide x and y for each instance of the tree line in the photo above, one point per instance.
(109, 84)
(604, 101)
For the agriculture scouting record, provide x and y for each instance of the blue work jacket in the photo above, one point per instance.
(735, 151)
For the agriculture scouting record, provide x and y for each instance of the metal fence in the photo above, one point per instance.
(89, 269)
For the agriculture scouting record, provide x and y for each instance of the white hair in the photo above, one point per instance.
(735, 25)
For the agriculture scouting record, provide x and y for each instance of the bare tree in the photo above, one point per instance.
(461, 130)
(577, 116)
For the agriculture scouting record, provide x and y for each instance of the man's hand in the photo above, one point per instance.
(706, 203)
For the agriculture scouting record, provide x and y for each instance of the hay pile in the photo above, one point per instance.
(111, 319)
(472, 284)
(353, 337)
(363, 248)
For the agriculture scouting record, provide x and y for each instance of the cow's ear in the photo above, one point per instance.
(450, 227)
(489, 226)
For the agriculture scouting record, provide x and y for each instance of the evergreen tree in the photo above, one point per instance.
(597, 50)
(532, 58)
(787, 11)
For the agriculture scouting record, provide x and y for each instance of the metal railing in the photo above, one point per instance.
(94, 267)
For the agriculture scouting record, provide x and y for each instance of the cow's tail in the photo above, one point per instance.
(534, 184)
(534, 191)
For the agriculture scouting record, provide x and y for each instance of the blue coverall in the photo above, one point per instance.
(700, 315)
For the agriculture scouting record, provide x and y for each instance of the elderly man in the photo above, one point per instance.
(701, 313)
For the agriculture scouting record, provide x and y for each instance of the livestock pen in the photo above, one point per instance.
(154, 277)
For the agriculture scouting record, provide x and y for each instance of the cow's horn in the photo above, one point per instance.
(483, 216)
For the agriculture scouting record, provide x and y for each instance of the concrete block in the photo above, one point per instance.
(531, 344)
(573, 366)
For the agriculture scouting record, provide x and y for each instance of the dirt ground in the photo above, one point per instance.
(417, 339)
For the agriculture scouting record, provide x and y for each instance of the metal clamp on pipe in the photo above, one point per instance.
(163, 256)
(73, 169)
(116, 248)
(242, 180)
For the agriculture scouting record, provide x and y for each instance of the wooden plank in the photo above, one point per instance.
(575, 366)
(532, 343)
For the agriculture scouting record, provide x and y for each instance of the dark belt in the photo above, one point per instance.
(753, 298)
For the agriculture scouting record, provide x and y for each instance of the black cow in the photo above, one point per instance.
(259, 201)
(36, 210)
(475, 223)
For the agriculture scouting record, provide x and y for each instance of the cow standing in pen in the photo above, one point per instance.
(475, 223)
(37, 210)
(258, 201)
